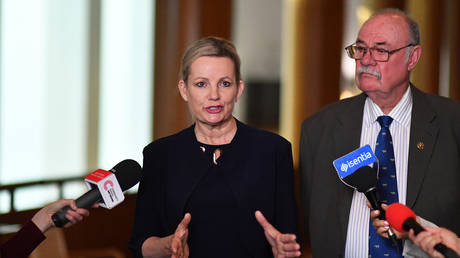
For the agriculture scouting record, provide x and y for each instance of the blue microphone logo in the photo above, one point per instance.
(349, 163)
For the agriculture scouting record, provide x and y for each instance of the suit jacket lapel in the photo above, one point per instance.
(423, 135)
(347, 137)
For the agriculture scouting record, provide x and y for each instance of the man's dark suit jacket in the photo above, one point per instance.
(257, 166)
(433, 177)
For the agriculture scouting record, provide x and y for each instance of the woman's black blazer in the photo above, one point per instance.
(257, 165)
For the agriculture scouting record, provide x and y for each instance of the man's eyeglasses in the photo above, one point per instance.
(379, 54)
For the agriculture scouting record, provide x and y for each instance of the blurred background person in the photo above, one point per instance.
(201, 187)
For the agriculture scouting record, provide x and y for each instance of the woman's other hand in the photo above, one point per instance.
(283, 245)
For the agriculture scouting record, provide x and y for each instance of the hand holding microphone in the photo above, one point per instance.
(365, 181)
(403, 219)
(127, 174)
(428, 239)
(42, 219)
(69, 212)
(382, 226)
(354, 170)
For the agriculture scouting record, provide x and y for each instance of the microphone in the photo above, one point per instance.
(127, 173)
(403, 218)
(354, 171)
(365, 181)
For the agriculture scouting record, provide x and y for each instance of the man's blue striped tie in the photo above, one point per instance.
(387, 188)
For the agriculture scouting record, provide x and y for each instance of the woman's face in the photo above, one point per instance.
(211, 90)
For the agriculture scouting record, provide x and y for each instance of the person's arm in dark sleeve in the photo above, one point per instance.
(23, 242)
(31, 235)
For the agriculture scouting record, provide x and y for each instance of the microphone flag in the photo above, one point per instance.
(349, 163)
(108, 186)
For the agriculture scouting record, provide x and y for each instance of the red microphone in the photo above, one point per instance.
(402, 219)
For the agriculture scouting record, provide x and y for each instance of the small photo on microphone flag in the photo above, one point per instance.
(350, 163)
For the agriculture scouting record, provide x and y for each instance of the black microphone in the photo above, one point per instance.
(127, 173)
(403, 218)
(364, 179)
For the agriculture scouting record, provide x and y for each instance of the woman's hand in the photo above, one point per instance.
(174, 245)
(283, 245)
(179, 246)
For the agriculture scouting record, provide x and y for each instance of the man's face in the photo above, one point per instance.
(387, 32)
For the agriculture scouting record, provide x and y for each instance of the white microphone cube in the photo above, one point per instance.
(108, 186)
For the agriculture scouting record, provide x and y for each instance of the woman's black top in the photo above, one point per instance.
(212, 203)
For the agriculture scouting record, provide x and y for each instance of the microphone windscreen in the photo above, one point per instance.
(363, 179)
(128, 173)
(397, 214)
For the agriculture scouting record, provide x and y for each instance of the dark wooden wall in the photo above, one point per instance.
(178, 23)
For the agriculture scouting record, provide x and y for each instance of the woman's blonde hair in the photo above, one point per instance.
(209, 46)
